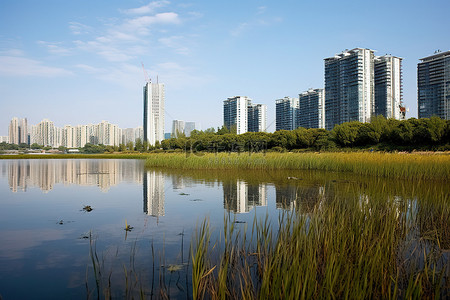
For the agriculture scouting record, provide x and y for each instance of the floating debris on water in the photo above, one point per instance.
(183, 194)
(174, 268)
(196, 200)
(128, 227)
(87, 208)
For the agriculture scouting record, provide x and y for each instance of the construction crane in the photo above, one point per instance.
(145, 74)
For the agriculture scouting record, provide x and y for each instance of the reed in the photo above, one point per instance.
(345, 248)
(389, 165)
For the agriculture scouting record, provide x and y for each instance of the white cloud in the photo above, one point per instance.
(178, 43)
(126, 40)
(78, 28)
(141, 24)
(126, 75)
(55, 48)
(12, 52)
(146, 9)
(179, 77)
(239, 29)
(261, 9)
(21, 66)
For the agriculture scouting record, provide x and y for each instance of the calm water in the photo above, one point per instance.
(46, 237)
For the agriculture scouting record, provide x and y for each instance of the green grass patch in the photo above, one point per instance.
(391, 165)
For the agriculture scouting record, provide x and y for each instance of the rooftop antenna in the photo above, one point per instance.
(157, 80)
(145, 74)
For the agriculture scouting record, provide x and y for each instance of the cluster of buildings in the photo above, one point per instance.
(46, 133)
(179, 127)
(358, 85)
(240, 115)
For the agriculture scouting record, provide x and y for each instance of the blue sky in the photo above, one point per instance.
(79, 62)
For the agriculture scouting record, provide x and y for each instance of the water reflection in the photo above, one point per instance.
(300, 197)
(154, 193)
(240, 197)
(33, 239)
(46, 173)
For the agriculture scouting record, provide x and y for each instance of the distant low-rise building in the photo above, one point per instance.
(177, 128)
(189, 127)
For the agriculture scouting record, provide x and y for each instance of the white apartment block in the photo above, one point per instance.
(153, 112)
(177, 128)
(349, 87)
(388, 87)
(235, 114)
(18, 131)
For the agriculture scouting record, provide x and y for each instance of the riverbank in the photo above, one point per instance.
(390, 165)
(421, 166)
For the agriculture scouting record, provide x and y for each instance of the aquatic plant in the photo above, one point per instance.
(355, 247)
(391, 165)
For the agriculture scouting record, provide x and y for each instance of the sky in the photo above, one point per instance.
(80, 62)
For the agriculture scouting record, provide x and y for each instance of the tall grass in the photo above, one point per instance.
(391, 165)
(346, 248)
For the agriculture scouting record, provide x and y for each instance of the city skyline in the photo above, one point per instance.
(84, 64)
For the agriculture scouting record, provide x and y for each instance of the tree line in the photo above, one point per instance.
(380, 134)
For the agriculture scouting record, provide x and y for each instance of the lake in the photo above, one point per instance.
(53, 247)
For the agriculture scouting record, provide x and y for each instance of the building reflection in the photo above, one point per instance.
(46, 173)
(154, 194)
(303, 198)
(240, 197)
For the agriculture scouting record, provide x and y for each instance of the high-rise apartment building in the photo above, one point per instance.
(189, 127)
(286, 113)
(154, 194)
(349, 87)
(18, 131)
(109, 134)
(433, 86)
(235, 114)
(69, 136)
(241, 116)
(388, 87)
(177, 128)
(311, 111)
(257, 117)
(14, 131)
(153, 112)
(44, 134)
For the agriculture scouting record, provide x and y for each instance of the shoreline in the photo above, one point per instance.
(422, 166)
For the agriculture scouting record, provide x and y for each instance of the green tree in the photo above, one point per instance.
(283, 138)
(346, 134)
(130, 146)
(139, 146)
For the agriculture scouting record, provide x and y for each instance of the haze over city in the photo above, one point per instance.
(80, 62)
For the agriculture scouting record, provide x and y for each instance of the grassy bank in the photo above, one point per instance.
(428, 166)
(391, 165)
